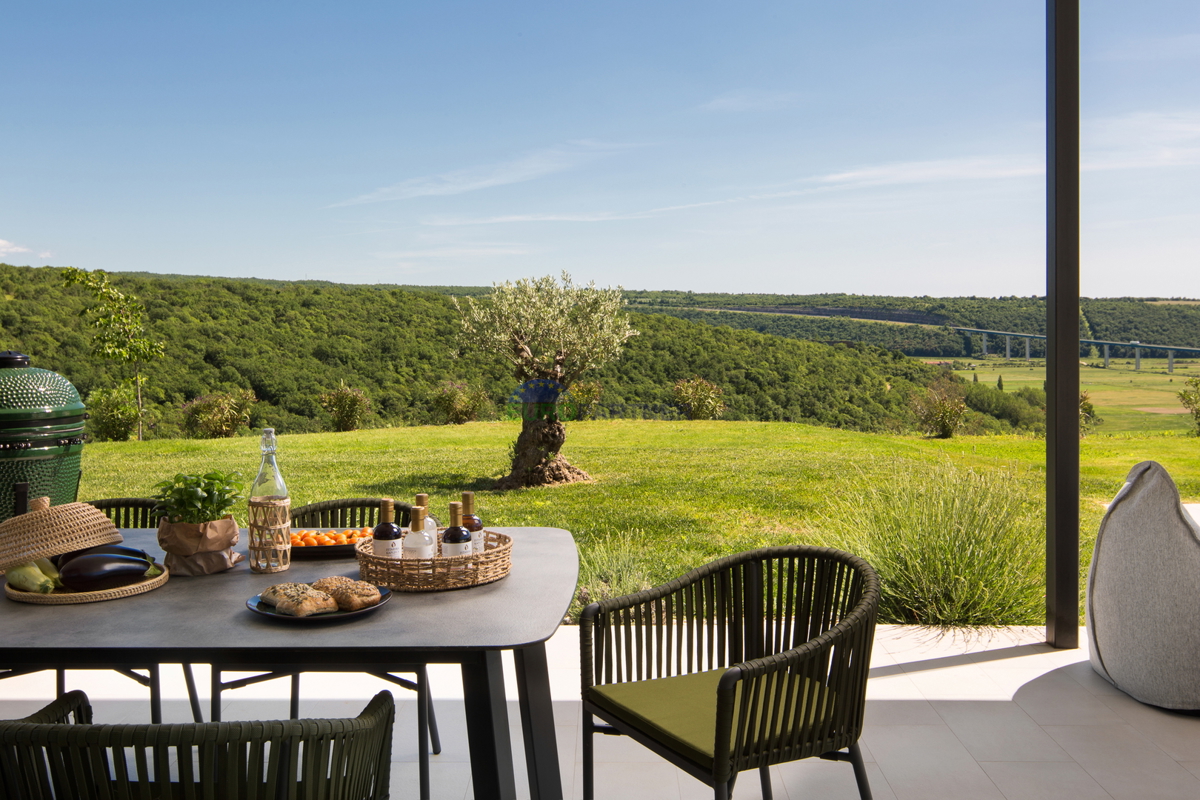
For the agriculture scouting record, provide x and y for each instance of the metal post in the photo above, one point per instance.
(1062, 323)
(1106, 356)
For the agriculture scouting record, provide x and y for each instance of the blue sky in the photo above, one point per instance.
(874, 147)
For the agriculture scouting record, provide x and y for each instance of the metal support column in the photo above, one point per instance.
(1062, 323)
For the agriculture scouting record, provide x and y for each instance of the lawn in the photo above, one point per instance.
(667, 496)
(1126, 399)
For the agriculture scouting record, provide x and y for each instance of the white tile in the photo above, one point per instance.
(446, 781)
(900, 712)
(998, 731)
(1025, 780)
(1124, 763)
(651, 781)
(1178, 735)
(830, 780)
(1057, 699)
(927, 762)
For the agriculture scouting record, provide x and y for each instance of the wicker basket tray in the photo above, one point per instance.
(437, 574)
(53, 531)
(63, 598)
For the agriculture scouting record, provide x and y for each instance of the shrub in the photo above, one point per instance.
(699, 399)
(582, 399)
(952, 546)
(460, 402)
(112, 414)
(940, 410)
(347, 406)
(1190, 397)
(218, 415)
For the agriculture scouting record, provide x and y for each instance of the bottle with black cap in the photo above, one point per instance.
(456, 540)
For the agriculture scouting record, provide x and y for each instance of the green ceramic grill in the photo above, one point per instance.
(41, 433)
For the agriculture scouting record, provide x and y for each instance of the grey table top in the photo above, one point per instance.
(190, 618)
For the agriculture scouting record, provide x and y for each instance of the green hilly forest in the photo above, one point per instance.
(288, 342)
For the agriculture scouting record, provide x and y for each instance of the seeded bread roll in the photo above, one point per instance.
(330, 583)
(304, 602)
(271, 594)
(355, 595)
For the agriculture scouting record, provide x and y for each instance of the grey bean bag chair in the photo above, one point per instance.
(1143, 593)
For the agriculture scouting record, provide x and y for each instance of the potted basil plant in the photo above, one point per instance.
(195, 527)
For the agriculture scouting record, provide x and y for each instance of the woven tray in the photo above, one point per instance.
(62, 598)
(437, 574)
(53, 531)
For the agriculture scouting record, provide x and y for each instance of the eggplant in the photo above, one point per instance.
(104, 549)
(96, 571)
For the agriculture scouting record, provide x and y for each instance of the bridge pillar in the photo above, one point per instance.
(1170, 361)
(1106, 356)
(1007, 347)
(983, 337)
(1137, 358)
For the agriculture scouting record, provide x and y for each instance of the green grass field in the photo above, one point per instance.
(667, 496)
(1127, 400)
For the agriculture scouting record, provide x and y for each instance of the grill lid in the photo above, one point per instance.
(29, 393)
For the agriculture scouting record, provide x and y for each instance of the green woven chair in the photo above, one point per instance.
(756, 659)
(129, 512)
(59, 753)
(351, 512)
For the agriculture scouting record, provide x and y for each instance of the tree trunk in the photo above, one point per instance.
(137, 379)
(536, 461)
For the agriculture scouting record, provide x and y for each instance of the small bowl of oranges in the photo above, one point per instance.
(327, 542)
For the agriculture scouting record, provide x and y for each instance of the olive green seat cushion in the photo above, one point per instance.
(681, 712)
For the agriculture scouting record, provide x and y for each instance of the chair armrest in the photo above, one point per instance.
(72, 704)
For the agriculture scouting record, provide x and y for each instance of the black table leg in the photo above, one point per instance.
(487, 727)
(537, 723)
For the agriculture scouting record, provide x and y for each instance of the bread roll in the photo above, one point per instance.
(271, 594)
(327, 584)
(355, 595)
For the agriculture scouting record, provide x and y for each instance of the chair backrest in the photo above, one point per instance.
(129, 512)
(352, 512)
(338, 759)
(741, 607)
(1142, 592)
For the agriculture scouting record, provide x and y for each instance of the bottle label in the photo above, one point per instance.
(459, 549)
(418, 549)
(477, 541)
(386, 548)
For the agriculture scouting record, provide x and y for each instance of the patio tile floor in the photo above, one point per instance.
(995, 714)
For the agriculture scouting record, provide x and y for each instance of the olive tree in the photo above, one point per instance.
(551, 333)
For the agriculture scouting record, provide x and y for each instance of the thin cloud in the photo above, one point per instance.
(600, 216)
(526, 168)
(8, 248)
(1161, 48)
(457, 252)
(1142, 140)
(935, 171)
(750, 100)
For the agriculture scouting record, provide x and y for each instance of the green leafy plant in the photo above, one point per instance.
(120, 324)
(940, 410)
(581, 399)
(346, 405)
(953, 546)
(1190, 397)
(699, 398)
(198, 498)
(459, 403)
(218, 415)
(112, 414)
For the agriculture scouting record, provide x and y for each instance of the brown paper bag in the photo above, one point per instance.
(199, 549)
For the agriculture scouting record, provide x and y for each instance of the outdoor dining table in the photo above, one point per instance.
(205, 620)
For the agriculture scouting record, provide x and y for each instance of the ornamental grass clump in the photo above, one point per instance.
(953, 546)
